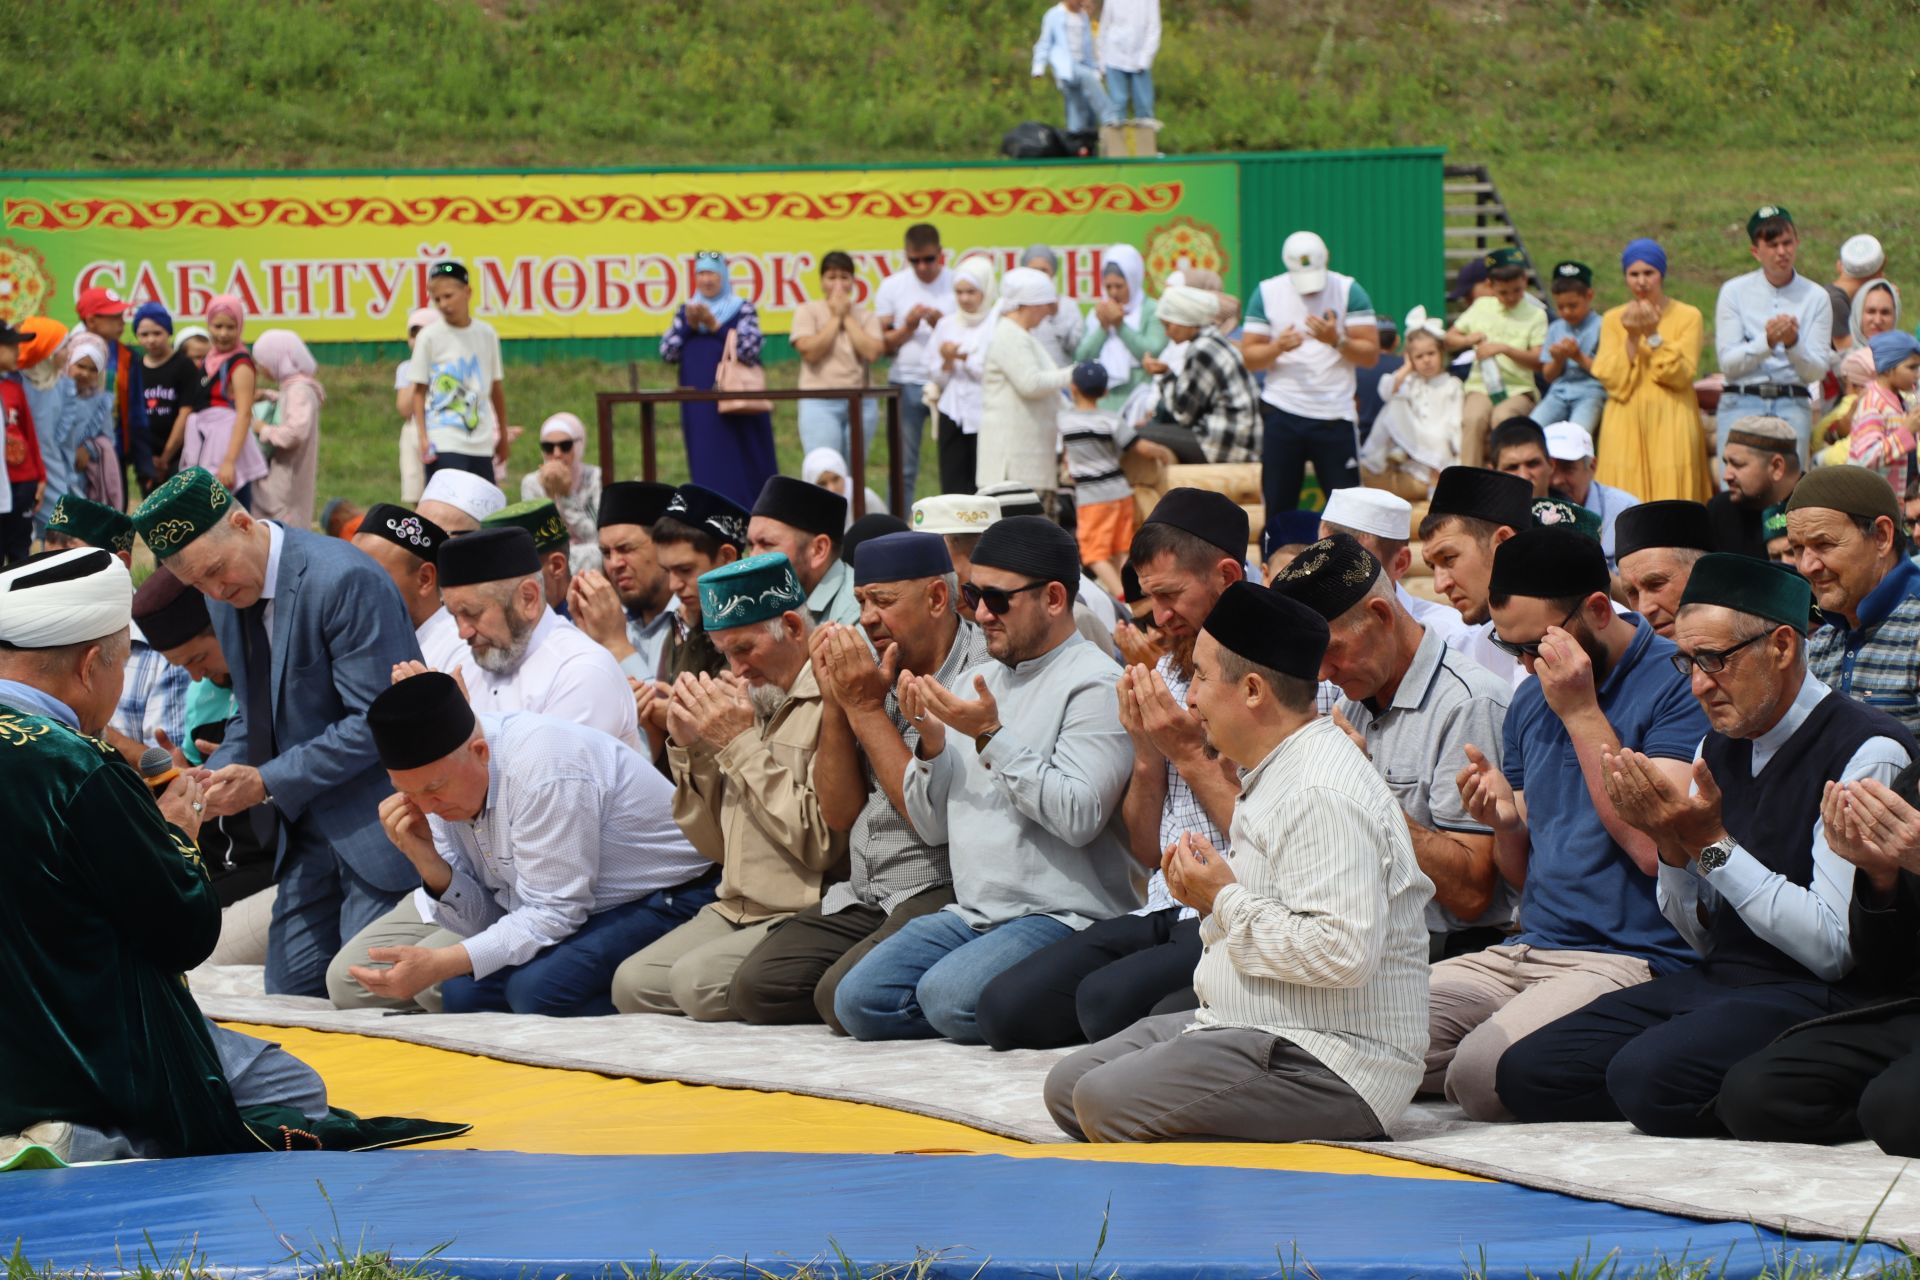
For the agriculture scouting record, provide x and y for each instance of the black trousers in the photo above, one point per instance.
(958, 454)
(1094, 984)
(1289, 442)
(16, 527)
(1654, 1054)
(792, 975)
(1836, 1082)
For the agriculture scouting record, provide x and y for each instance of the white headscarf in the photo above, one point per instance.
(568, 426)
(1859, 312)
(976, 270)
(1113, 352)
(82, 345)
(69, 597)
(1025, 287)
(1182, 304)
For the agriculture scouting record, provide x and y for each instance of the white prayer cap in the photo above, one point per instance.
(1374, 511)
(955, 513)
(64, 597)
(1568, 442)
(1862, 257)
(1180, 304)
(465, 491)
(1025, 287)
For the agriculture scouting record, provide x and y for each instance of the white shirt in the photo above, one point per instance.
(1129, 34)
(439, 639)
(564, 675)
(1477, 643)
(276, 539)
(574, 824)
(900, 293)
(1740, 318)
(1436, 616)
(960, 385)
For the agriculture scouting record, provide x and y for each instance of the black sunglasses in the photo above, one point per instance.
(1530, 648)
(924, 259)
(998, 599)
(556, 446)
(1710, 662)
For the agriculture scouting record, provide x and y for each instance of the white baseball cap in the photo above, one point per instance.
(1862, 257)
(464, 491)
(1374, 511)
(1306, 257)
(955, 513)
(1568, 442)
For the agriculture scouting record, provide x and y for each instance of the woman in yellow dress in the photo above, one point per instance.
(1650, 439)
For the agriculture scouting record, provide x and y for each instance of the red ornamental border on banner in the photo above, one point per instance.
(383, 211)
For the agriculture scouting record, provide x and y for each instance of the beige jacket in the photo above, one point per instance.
(1019, 438)
(752, 808)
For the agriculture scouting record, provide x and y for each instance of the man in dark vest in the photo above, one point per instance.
(1747, 873)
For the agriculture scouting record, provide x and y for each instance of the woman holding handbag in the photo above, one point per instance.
(715, 339)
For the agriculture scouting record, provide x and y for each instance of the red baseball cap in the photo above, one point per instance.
(99, 302)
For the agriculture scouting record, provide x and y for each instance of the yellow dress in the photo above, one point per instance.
(1650, 442)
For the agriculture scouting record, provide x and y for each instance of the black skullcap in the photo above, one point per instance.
(169, 612)
(901, 557)
(404, 529)
(807, 507)
(1033, 545)
(718, 515)
(1480, 494)
(422, 719)
(488, 555)
(874, 524)
(1212, 517)
(457, 270)
(1670, 522)
(1759, 588)
(1269, 629)
(1015, 499)
(1548, 562)
(1330, 576)
(638, 502)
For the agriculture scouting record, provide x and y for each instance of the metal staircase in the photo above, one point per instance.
(1477, 220)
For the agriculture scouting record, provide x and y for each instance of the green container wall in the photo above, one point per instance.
(1380, 212)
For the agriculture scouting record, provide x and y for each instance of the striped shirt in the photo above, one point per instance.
(890, 862)
(1322, 941)
(1878, 662)
(154, 696)
(575, 822)
(1093, 440)
(1182, 810)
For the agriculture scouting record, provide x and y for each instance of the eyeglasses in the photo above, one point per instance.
(1710, 662)
(556, 446)
(924, 259)
(998, 599)
(1530, 648)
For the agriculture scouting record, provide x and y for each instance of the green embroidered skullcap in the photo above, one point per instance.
(180, 510)
(749, 591)
(1758, 588)
(1508, 257)
(91, 522)
(1767, 213)
(1563, 512)
(539, 517)
(1773, 521)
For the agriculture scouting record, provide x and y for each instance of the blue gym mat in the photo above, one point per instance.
(512, 1216)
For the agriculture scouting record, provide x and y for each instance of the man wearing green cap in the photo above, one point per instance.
(1506, 332)
(1772, 330)
(311, 630)
(1847, 538)
(1746, 872)
(541, 518)
(741, 754)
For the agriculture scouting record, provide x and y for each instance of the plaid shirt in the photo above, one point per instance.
(1215, 397)
(154, 697)
(1878, 662)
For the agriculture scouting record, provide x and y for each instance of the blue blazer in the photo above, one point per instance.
(339, 625)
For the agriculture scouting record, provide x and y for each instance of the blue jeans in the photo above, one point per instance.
(1137, 85)
(321, 904)
(1795, 411)
(1579, 403)
(574, 978)
(1088, 105)
(926, 980)
(824, 424)
(913, 425)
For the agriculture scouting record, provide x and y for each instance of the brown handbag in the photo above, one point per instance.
(744, 379)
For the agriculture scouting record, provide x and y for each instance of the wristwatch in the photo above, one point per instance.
(1715, 855)
(1654, 342)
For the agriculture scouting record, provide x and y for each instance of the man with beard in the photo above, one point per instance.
(458, 501)
(1760, 465)
(1589, 922)
(1029, 808)
(627, 606)
(805, 523)
(405, 544)
(905, 585)
(1472, 512)
(541, 518)
(1656, 545)
(1094, 983)
(742, 761)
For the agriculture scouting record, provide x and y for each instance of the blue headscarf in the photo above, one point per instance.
(1891, 347)
(155, 312)
(1647, 251)
(727, 305)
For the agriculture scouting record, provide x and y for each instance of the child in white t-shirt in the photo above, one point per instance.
(460, 399)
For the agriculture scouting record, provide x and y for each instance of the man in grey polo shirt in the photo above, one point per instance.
(1412, 704)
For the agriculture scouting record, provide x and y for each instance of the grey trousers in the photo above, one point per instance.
(1234, 1084)
(689, 971)
(400, 927)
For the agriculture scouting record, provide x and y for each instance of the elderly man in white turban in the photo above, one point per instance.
(1211, 394)
(1020, 391)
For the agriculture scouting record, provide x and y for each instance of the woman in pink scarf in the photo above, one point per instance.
(221, 437)
(293, 437)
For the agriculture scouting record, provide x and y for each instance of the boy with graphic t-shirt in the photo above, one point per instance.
(1508, 329)
(459, 401)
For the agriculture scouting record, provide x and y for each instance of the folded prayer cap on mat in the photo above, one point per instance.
(93, 523)
(1746, 585)
(1031, 545)
(748, 591)
(1374, 511)
(1548, 562)
(807, 507)
(186, 506)
(487, 555)
(1669, 522)
(464, 491)
(702, 508)
(422, 719)
(955, 513)
(1479, 494)
(900, 557)
(1211, 517)
(638, 502)
(1330, 576)
(405, 529)
(540, 518)
(64, 597)
(170, 612)
(1269, 629)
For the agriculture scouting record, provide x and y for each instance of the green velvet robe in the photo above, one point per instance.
(103, 906)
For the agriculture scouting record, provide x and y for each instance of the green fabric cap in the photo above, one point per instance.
(749, 591)
(180, 510)
(1758, 588)
(540, 517)
(1763, 213)
(1573, 271)
(1551, 512)
(1774, 521)
(91, 522)
(1505, 258)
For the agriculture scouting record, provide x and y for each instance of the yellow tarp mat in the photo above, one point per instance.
(514, 1107)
